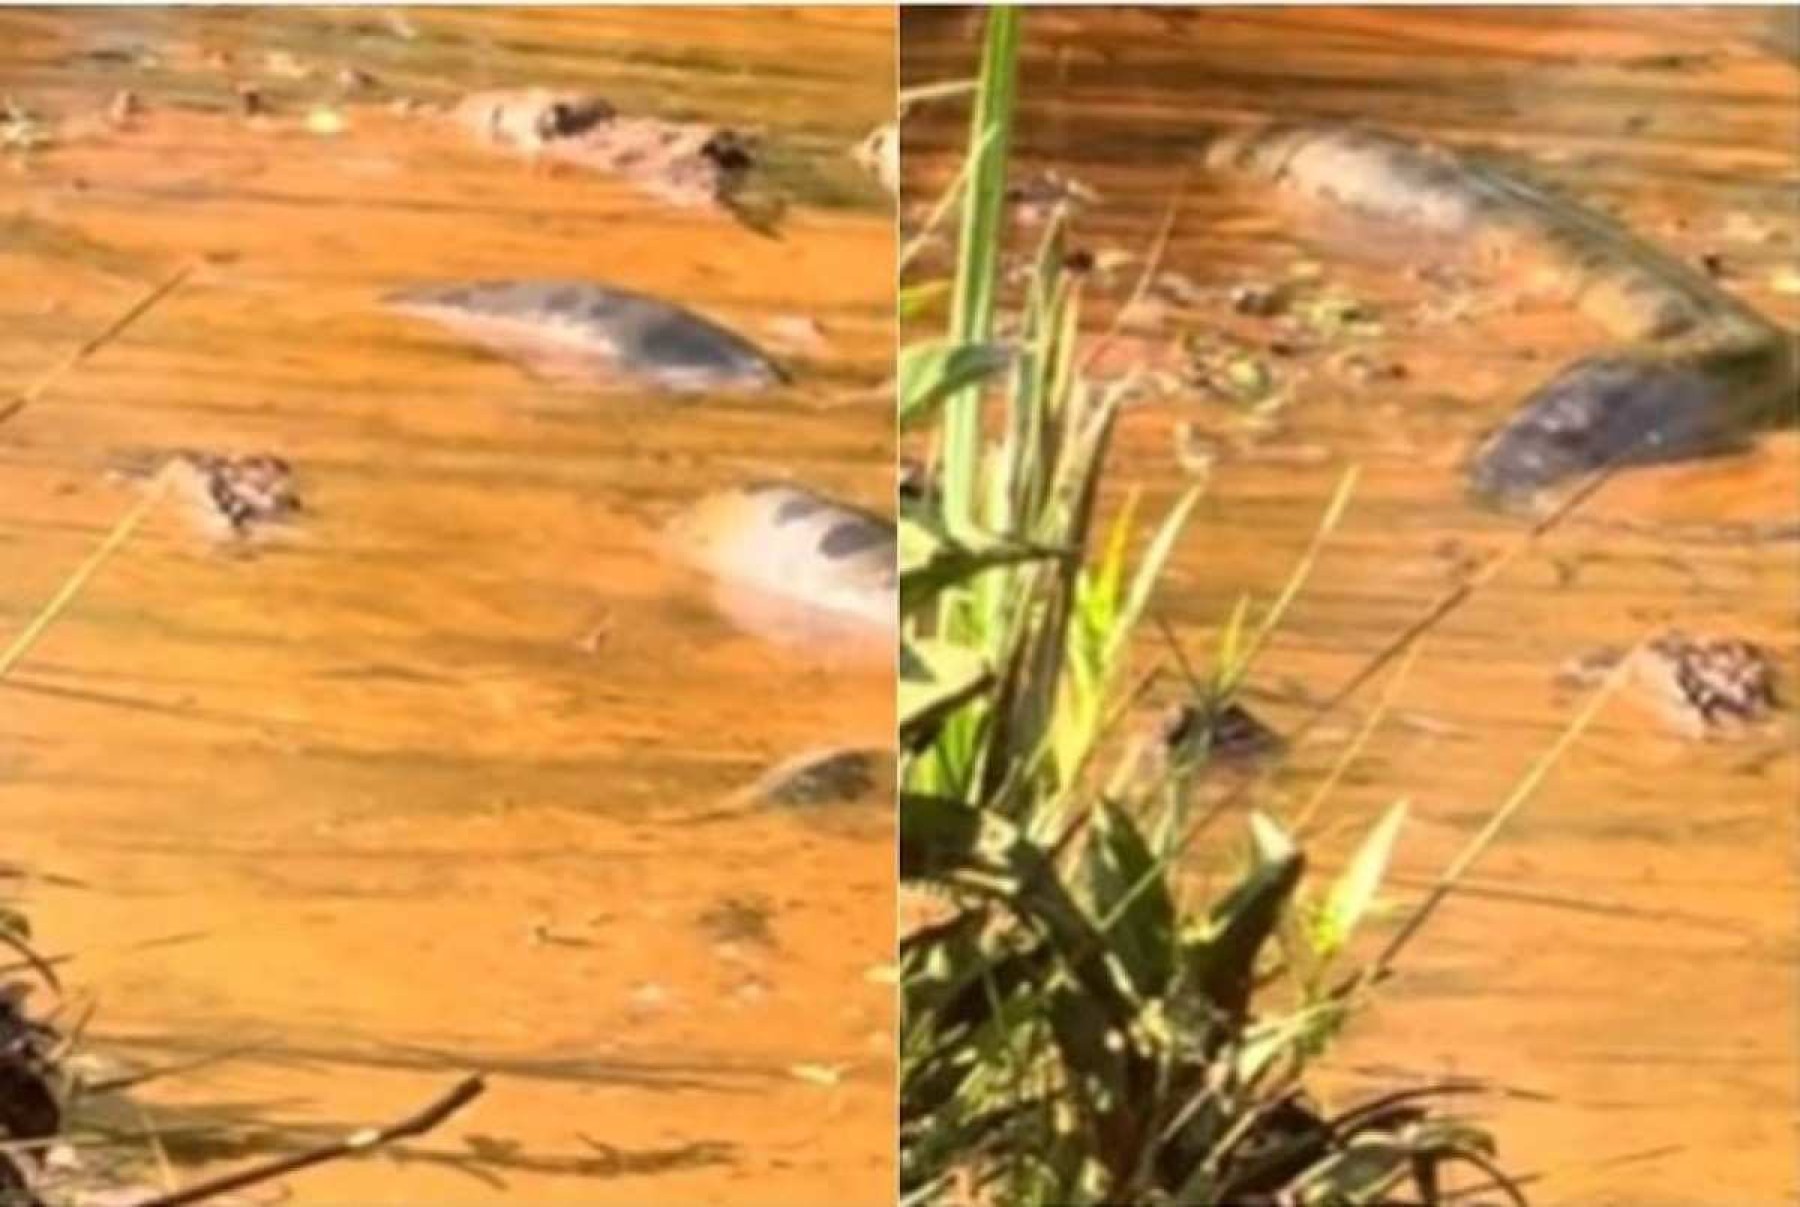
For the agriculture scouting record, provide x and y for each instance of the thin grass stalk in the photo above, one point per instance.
(72, 586)
(953, 192)
(1328, 785)
(1232, 675)
(977, 275)
(1525, 789)
(113, 330)
(920, 94)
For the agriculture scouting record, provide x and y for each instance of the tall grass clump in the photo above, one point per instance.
(1076, 1026)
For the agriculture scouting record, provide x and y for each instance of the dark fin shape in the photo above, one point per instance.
(632, 335)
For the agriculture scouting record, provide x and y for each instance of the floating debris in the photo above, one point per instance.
(1108, 261)
(1261, 300)
(123, 107)
(284, 65)
(818, 1074)
(1705, 686)
(230, 498)
(735, 921)
(1363, 370)
(587, 334)
(1196, 731)
(1740, 227)
(797, 333)
(1195, 451)
(1197, 735)
(325, 122)
(1178, 289)
(1146, 315)
(684, 163)
(1036, 196)
(1233, 374)
(879, 155)
(1674, 61)
(247, 491)
(355, 79)
(22, 130)
(1334, 316)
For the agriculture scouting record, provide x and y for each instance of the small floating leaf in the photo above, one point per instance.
(1248, 379)
(1109, 260)
(325, 122)
(817, 1074)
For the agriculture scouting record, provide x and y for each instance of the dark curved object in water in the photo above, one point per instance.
(585, 332)
(1700, 372)
(819, 779)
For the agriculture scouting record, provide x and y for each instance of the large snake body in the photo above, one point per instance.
(790, 545)
(1699, 369)
(796, 565)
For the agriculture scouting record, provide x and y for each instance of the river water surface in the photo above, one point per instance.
(411, 792)
(1623, 959)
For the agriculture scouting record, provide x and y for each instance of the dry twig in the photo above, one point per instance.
(113, 330)
(366, 1140)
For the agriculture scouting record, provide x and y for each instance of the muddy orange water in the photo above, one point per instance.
(1623, 959)
(410, 793)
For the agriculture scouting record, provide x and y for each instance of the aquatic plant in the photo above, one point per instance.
(1078, 1026)
(31, 1112)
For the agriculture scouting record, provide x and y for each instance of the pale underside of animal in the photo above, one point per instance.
(803, 569)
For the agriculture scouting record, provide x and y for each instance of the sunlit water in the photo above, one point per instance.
(1624, 955)
(408, 793)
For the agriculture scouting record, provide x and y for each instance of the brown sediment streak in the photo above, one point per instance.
(1699, 371)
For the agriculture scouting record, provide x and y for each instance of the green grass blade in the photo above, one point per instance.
(1334, 512)
(1150, 572)
(1353, 892)
(934, 370)
(978, 265)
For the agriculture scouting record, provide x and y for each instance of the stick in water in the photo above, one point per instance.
(139, 308)
(121, 532)
(366, 1140)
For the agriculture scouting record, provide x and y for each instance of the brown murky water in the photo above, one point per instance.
(407, 793)
(1624, 958)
